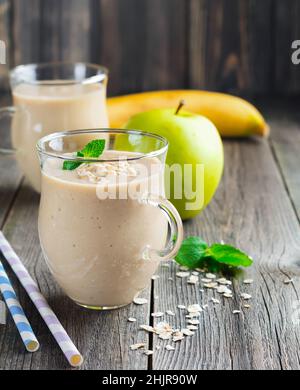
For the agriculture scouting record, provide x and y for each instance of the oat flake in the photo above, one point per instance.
(131, 319)
(170, 348)
(134, 347)
(140, 301)
(182, 274)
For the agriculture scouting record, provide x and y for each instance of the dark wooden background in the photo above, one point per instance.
(238, 46)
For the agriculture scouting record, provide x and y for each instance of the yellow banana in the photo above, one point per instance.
(233, 116)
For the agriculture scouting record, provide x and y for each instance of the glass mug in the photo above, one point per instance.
(105, 226)
(52, 97)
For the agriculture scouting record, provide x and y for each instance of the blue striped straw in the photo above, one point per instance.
(18, 315)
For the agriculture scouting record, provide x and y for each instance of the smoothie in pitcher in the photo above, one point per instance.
(53, 106)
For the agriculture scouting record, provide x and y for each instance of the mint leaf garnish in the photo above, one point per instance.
(93, 149)
(71, 165)
(191, 252)
(227, 254)
(218, 258)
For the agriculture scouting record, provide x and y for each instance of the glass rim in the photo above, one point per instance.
(63, 134)
(17, 71)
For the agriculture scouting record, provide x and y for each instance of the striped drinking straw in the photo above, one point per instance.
(18, 315)
(55, 327)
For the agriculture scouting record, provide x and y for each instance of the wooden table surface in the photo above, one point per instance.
(257, 208)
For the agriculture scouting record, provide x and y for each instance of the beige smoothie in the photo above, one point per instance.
(46, 108)
(95, 244)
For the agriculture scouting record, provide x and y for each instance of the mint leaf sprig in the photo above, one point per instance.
(217, 258)
(93, 149)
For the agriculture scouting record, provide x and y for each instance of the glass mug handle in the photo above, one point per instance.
(176, 234)
(7, 111)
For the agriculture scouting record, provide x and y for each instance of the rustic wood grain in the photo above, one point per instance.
(284, 120)
(45, 31)
(143, 43)
(251, 210)
(238, 46)
(104, 338)
(286, 30)
(230, 45)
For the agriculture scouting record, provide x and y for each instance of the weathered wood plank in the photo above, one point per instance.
(51, 31)
(103, 338)
(143, 43)
(284, 119)
(252, 211)
(10, 175)
(286, 30)
(230, 45)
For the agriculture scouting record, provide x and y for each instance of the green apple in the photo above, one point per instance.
(193, 140)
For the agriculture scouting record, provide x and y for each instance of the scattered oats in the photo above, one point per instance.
(134, 347)
(214, 300)
(182, 274)
(236, 312)
(154, 277)
(196, 314)
(170, 313)
(205, 306)
(288, 281)
(194, 322)
(192, 327)
(247, 306)
(246, 296)
(140, 301)
(224, 281)
(147, 328)
(157, 314)
(165, 265)
(201, 290)
(248, 281)
(183, 268)
(210, 285)
(148, 353)
(194, 308)
(227, 295)
(178, 336)
(210, 276)
(164, 330)
(165, 335)
(205, 280)
(170, 348)
(222, 289)
(187, 332)
(181, 307)
(195, 273)
(131, 319)
(163, 327)
(170, 279)
(193, 279)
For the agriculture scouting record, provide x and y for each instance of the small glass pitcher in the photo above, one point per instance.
(52, 97)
